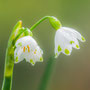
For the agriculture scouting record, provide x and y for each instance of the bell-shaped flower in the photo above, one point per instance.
(27, 49)
(65, 39)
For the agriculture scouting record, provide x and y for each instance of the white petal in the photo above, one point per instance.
(62, 38)
(27, 40)
(74, 33)
(35, 55)
(62, 42)
(18, 55)
(66, 39)
(75, 43)
(57, 49)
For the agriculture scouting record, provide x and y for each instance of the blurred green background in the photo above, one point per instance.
(71, 72)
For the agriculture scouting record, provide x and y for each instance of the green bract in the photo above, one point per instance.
(55, 22)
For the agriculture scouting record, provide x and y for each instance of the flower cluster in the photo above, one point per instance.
(28, 49)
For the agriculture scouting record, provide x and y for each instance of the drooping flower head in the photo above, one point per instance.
(65, 38)
(28, 49)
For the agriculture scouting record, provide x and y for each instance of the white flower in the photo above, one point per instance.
(28, 49)
(65, 39)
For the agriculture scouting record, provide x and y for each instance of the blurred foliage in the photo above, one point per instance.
(71, 73)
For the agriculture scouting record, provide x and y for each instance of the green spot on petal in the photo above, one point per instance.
(41, 59)
(83, 38)
(67, 51)
(59, 48)
(71, 42)
(77, 46)
(31, 61)
(20, 44)
(16, 59)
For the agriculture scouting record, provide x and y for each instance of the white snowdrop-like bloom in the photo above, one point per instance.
(65, 39)
(28, 49)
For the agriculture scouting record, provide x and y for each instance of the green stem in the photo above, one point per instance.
(37, 23)
(46, 76)
(9, 59)
(7, 83)
(8, 72)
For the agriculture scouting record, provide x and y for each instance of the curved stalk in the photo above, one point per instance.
(38, 22)
(9, 59)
